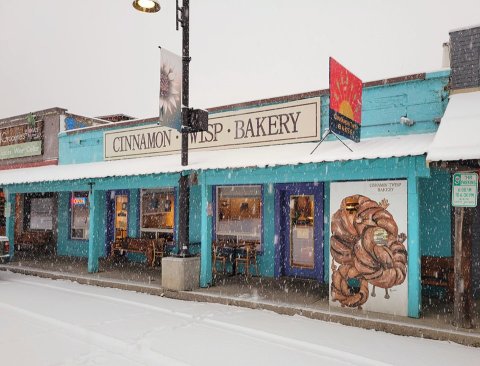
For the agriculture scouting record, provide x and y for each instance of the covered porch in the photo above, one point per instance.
(103, 223)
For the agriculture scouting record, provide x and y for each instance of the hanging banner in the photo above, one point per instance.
(170, 90)
(345, 102)
(368, 246)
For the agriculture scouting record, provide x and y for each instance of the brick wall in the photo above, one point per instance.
(465, 58)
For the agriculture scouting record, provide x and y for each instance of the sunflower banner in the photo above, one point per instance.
(345, 102)
(170, 89)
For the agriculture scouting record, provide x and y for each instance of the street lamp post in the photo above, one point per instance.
(152, 6)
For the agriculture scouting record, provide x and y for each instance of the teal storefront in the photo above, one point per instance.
(253, 179)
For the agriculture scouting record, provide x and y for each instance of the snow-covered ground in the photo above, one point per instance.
(46, 322)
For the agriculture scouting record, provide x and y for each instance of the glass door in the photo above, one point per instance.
(117, 217)
(121, 216)
(301, 233)
(302, 230)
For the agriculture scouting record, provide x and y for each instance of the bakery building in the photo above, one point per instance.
(260, 201)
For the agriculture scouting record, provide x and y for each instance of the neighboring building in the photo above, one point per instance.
(456, 148)
(257, 182)
(31, 140)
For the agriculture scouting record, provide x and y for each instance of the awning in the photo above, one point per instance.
(458, 137)
(290, 154)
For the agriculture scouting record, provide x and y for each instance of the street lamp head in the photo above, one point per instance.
(147, 6)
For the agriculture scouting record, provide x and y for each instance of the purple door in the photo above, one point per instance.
(300, 230)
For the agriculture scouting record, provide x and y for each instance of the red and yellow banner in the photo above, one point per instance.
(345, 102)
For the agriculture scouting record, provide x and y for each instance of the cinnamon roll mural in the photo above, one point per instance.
(366, 248)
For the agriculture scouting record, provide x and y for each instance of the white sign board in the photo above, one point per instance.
(465, 189)
(368, 246)
(282, 123)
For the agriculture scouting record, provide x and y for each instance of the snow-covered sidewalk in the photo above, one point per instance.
(46, 322)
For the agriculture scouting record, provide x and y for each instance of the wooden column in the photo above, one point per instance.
(462, 309)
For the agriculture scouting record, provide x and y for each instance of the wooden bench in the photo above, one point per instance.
(439, 271)
(151, 248)
(34, 240)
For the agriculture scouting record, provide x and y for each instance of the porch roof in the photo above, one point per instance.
(457, 137)
(291, 154)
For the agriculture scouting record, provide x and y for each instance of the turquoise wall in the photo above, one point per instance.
(435, 214)
(422, 100)
(65, 245)
(410, 168)
(83, 147)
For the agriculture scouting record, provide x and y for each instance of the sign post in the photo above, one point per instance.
(464, 197)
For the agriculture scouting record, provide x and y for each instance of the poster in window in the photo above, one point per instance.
(368, 246)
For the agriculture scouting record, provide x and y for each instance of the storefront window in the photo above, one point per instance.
(239, 213)
(157, 213)
(38, 212)
(80, 215)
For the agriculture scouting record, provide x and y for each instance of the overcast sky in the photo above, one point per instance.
(98, 57)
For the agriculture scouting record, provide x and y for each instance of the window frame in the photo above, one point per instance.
(157, 232)
(27, 210)
(71, 213)
(216, 200)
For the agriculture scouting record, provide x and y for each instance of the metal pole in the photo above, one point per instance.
(184, 189)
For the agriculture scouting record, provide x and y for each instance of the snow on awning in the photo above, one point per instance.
(457, 137)
(291, 154)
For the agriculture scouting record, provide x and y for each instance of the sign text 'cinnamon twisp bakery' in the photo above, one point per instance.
(282, 123)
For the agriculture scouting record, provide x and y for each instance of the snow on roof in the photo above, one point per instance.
(468, 27)
(457, 137)
(291, 154)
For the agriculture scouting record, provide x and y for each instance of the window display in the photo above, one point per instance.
(157, 213)
(38, 211)
(80, 215)
(239, 213)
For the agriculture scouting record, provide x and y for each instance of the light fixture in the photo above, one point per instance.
(407, 121)
(147, 6)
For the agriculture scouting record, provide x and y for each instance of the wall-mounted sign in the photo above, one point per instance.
(465, 189)
(21, 150)
(283, 123)
(21, 140)
(368, 246)
(79, 201)
(345, 102)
